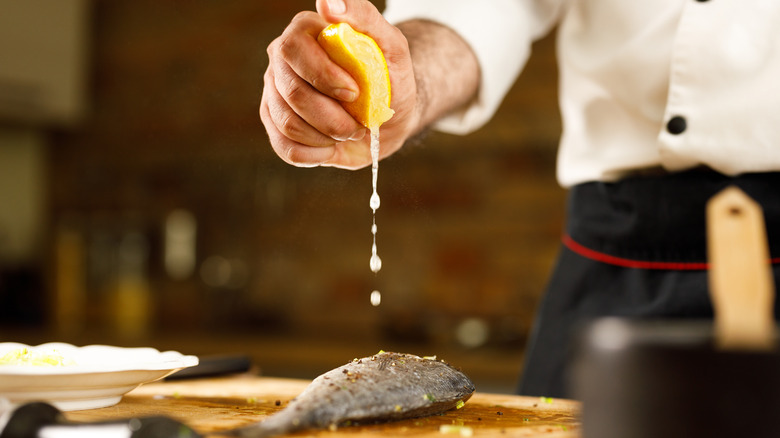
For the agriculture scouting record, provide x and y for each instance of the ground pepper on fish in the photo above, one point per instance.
(382, 387)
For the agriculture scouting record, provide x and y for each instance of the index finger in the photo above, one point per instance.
(299, 48)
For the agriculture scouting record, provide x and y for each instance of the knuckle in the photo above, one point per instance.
(299, 28)
(302, 16)
(261, 111)
(272, 47)
(293, 155)
(297, 92)
(268, 77)
(291, 126)
(286, 46)
(318, 83)
(287, 152)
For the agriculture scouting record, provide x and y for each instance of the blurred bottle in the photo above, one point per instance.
(133, 302)
(180, 237)
(69, 280)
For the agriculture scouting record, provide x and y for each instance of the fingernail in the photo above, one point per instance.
(345, 94)
(358, 135)
(337, 7)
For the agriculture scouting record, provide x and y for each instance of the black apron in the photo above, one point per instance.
(637, 249)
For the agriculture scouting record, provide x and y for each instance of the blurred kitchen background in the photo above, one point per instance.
(141, 204)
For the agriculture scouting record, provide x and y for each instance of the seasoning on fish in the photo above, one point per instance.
(383, 387)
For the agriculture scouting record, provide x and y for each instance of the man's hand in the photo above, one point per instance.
(431, 73)
(303, 89)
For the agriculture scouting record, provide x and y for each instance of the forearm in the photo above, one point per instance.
(445, 68)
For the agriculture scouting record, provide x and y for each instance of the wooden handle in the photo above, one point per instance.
(741, 282)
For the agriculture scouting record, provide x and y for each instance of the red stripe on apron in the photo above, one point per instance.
(639, 264)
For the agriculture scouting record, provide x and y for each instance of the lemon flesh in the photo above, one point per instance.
(361, 57)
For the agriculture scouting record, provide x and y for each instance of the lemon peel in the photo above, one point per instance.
(361, 57)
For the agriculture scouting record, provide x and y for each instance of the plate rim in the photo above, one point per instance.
(158, 360)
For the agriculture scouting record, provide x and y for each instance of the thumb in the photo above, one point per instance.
(332, 10)
(360, 14)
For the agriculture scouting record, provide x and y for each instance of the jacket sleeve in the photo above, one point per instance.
(499, 31)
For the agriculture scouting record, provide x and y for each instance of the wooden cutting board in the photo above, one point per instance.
(210, 405)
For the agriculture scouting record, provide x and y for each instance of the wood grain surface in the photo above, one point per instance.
(212, 405)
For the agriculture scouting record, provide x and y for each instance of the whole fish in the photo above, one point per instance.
(383, 387)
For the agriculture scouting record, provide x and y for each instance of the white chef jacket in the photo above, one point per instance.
(671, 83)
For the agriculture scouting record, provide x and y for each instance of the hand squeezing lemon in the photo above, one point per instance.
(361, 57)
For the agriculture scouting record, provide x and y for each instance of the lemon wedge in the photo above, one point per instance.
(361, 57)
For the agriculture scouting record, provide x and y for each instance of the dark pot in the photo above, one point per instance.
(667, 380)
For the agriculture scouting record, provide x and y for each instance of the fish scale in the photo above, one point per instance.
(383, 387)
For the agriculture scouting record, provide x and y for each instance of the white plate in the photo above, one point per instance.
(99, 376)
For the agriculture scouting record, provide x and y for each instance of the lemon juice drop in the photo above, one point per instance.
(376, 298)
(375, 263)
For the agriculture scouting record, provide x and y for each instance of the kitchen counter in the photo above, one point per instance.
(214, 404)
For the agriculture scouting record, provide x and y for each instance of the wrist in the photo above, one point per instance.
(446, 71)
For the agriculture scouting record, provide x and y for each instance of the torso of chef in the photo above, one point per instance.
(671, 84)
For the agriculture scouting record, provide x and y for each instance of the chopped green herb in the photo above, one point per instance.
(547, 400)
(430, 397)
(460, 404)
